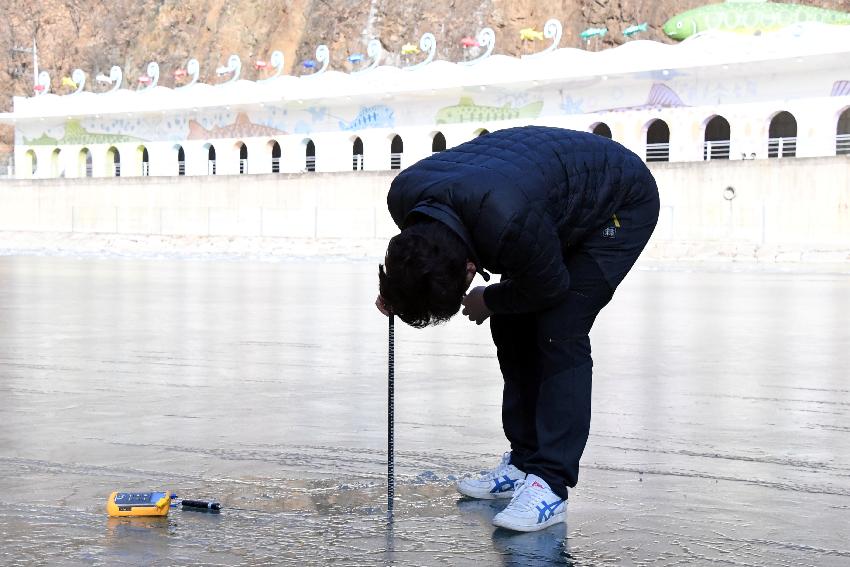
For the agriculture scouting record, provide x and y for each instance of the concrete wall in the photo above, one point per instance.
(798, 202)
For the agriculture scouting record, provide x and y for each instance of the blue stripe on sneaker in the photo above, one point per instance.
(547, 510)
(502, 485)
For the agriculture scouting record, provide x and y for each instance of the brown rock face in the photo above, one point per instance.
(95, 34)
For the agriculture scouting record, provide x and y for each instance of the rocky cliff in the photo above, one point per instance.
(94, 35)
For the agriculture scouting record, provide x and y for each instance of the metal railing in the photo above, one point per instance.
(181, 168)
(842, 144)
(116, 169)
(211, 167)
(310, 163)
(243, 166)
(715, 149)
(658, 152)
(146, 169)
(357, 162)
(395, 161)
(275, 165)
(88, 169)
(781, 147)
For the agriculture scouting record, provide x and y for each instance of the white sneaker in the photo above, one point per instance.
(533, 507)
(497, 483)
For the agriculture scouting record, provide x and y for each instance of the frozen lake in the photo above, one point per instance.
(721, 424)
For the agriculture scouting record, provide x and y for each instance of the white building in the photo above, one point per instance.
(713, 96)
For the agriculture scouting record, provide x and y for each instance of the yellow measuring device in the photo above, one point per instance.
(122, 504)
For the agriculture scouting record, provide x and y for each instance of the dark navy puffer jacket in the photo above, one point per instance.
(519, 197)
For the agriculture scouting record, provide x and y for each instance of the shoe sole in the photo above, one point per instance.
(508, 525)
(486, 495)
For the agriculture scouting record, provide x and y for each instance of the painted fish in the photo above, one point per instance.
(660, 96)
(840, 88)
(379, 116)
(242, 127)
(748, 16)
(468, 111)
(409, 49)
(632, 30)
(76, 134)
(593, 32)
(530, 34)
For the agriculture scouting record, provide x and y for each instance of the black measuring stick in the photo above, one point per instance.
(390, 421)
(201, 504)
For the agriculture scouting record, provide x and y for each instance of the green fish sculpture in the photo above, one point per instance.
(468, 111)
(748, 17)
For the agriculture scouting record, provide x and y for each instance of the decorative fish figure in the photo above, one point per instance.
(69, 82)
(355, 58)
(43, 140)
(660, 96)
(467, 111)
(749, 17)
(530, 34)
(76, 134)
(409, 49)
(242, 127)
(840, 88)
(632, 30)
(469, 41)
(379, 116)
(593, 32)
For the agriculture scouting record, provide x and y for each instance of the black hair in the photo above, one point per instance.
(425, 277)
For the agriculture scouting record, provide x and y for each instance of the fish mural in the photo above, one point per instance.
(76, 134)
(660, 96)
(467, 111)
(379, 116)
(242, 127)
(749, 17)
(840, 88)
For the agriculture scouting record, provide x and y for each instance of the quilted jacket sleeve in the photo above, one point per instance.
(534, 276)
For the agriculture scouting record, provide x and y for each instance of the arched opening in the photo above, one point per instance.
(716, 142)
(602, 129)
(210, 159)
(30, 163)
(181, 160)
(396, 149)
(782, 136)
(658, 141)
(357, 155)
(144, 159)
(842, 134)
(310, 156)
(84, 163)
(243, 158)
(113, 162)
(481, 132)
(275, 156)
(438, 143)
(55, 165)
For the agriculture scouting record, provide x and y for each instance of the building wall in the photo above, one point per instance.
(797, 202)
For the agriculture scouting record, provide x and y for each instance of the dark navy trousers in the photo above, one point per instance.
(545, 356)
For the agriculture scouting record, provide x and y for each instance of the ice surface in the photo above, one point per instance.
(721, 424)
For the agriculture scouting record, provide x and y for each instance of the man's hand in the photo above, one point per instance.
(382, 307)
(474, 306)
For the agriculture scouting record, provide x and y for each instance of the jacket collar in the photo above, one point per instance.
(446, 215)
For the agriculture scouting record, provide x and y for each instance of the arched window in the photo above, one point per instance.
(481, 132)
(602, 129)
(181, 161)
(782, 136)
(144, 159)
(211, 160)
(84, 163)
(275, 157)
(310, 156)
(357, 155)
(438, 144)
(55, 164)
(396, 149)
(31, 163)
(113, 162)
(243, 158)
(842, 134)
(717, 135)
(658, 141)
